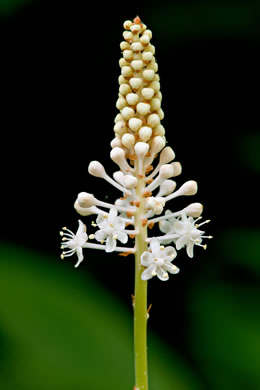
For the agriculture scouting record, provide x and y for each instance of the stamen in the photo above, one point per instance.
(154, 273)
(91, 236)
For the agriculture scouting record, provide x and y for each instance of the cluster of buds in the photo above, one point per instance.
(145, 176)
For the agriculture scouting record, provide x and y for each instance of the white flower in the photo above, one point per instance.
(111, 229)
(186, 230)
(74, 242)
(158, 261)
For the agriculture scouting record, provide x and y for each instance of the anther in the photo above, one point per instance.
(91, 236)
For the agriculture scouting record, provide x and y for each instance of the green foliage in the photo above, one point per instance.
(10, 6)
(228, 321)
(60, 330)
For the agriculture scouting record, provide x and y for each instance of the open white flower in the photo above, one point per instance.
(186, 232)
(74, 242)
(111, 229)
(158, 261)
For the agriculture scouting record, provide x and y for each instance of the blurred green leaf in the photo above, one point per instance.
(248, 147)
(203, 19)
(9, 6)
(225, 335)
(60, 330)
(242, 246)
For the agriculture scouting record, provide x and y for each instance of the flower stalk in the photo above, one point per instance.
(140, 296)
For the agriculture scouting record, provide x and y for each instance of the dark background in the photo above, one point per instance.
(59, 88)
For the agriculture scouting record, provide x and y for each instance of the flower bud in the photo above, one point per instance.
(128, 140)
(177, 168)
(153, 120)
(135, 124)
(119, 177)
(141, 149)
(127, 113)
(127, 24)
(128, 36)
(136, 47)
(148, 74)
(147, 56)
(128, 54)
(137, 65)
(194, 210)
(120, 128)
(145, 133)
(135, 82)
(166, 171)
(167, 155)
(115, 143)
(158, 143)
(188, 188)
(130, 182)
(155, 104)
(124, 89)
(159, 130)
(120, 103)
(147, 93)
(124, 45)
(86, 200)
(145, 39)
(132, 99)
(118, 155)
(96, 169)
(167, 187)
(143, 108)
(83, 211)
(126, 71)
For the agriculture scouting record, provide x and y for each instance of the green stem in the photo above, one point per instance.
(140, 300)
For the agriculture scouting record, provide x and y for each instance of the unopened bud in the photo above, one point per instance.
(166, 171)
(188, 188)
(86, 200)
(167, 155)
(83, 210)
(135, 124)
(130, 182)
(167, 187)
(194, 210)
(158, 143)
(177, 168)
(128, 140)
(141, 149)
(96, 169)
(145, 133)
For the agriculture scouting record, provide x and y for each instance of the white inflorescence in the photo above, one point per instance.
(139, 137)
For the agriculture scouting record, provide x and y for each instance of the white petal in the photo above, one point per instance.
(80, 257)
(179, 227)
(119, 223)
(155, 246)
(81, 229)
(100, 235)
(165, 226)
(181, 242)
(190, 247)
(101, 221)
(162, 274)
(146, 259)
(171, 268)
(110, 244)
(122, 237)
(112, 214)
(169, 251)
(147, 274)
